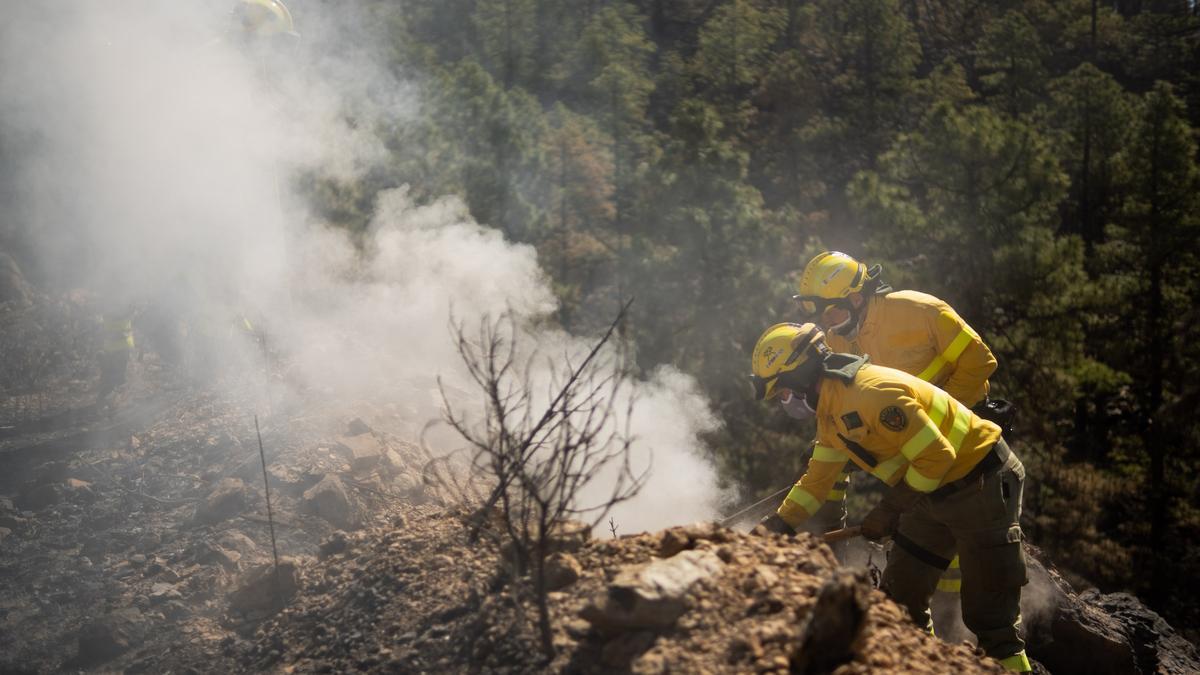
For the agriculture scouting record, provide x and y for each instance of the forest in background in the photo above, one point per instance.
(1033, 163)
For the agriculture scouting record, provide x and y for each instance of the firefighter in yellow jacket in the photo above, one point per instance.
(907, 330)
(955, 485)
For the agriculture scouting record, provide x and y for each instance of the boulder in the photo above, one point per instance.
(363, 452)
(832, 631)
(1093, 632)
(329, 500)
(562, 570)
(651, 596)
(227, 500)
(235, 540)
(262, 590)
(208, 553)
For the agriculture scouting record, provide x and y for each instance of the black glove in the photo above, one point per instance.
(883, 520)
(773, 524)
(999, 411)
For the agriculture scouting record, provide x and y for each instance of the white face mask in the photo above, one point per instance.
(797, 406)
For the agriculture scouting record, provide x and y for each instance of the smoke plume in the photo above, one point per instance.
(151, 149)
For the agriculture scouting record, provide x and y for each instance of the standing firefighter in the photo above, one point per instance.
(116, 345)
(955, 485)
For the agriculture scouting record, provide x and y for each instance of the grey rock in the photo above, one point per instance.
(227, 500)
(653, 595)
(1091, 632)
(162, 592)
(208, 553)
(235, 540)
(329, 500)
(262, 591)
(363, 452)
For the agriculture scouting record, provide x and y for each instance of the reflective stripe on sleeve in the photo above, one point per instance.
(962, 424)
(824, 453)
(934, 367)
(948, 355)
(957, 346)
(885, 470)
(919, 482)
(919, 441)
(803, 499)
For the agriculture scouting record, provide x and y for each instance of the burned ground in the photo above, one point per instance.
(137, 540)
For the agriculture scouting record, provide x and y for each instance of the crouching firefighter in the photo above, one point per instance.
(955, 485)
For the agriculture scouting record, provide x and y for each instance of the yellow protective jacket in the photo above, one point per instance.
(923, 336)
(893, 426)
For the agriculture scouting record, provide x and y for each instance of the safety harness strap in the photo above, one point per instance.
(860, 452)
(915, 550)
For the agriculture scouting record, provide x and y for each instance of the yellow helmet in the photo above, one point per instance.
(265, 18)
(786, 357)
(828, 279)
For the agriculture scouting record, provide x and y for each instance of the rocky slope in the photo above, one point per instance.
(138, 542)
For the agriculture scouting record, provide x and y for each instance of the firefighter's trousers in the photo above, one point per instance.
(977, 517)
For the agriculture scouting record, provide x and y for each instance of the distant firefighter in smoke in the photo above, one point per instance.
(115, 348)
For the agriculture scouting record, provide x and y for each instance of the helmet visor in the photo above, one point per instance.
(815, 306)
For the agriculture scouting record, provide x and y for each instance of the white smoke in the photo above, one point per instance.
(155, 156)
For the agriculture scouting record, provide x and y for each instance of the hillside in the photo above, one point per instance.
(139, 543)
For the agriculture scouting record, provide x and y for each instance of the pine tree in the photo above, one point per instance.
(973, 195)
(1162, 232)
(613, 59)
(507, 34)
(862, 56)
(1093, 117)
(1011, 64)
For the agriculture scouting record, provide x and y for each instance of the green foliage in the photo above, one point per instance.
(1011, 63)
(1032, 162)
(966, 187)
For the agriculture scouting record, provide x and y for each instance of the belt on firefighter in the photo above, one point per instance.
(993, 460)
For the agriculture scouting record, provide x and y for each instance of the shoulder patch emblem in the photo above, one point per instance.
(852, 421)
(893, 418)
